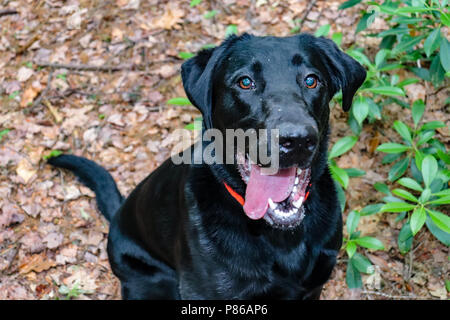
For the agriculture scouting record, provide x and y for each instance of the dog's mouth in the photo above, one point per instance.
(277, 198)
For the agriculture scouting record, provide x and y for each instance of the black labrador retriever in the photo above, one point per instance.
(229, 231)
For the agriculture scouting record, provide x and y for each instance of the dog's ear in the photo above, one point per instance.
(346, 73)
(197, 75)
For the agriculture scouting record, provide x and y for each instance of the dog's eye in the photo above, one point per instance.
(311, 82)
(246, 83)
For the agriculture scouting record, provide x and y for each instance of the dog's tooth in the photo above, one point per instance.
(299, 171)
(296, 180)
(272, 204)
(298, 203)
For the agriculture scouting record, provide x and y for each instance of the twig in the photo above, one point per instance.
(6, 12)
(104, 68)
(385, 295)
(25, 47)
(305, 15)
(53, 111)
(44, 93)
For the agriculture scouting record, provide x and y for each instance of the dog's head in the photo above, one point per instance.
(286, 84)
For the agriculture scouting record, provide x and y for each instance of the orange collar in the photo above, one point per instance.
(234, 194)
(241, 200)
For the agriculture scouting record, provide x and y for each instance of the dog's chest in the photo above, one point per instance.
(246, 276)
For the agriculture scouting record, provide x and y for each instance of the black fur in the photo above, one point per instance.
(180, 234)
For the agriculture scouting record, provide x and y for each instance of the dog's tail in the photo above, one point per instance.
(95, 178)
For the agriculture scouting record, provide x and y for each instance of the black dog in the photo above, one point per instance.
(198, 231)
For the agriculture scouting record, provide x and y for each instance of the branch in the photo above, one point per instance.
(305, 15)
(7, 12)
(105, 68)
(385, 295)
(44, 93)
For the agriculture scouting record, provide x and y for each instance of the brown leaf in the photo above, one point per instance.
(25, 170)
(28, 96)
(170, 19)
(37, 263)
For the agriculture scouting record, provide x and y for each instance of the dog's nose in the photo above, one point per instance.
(298, 139)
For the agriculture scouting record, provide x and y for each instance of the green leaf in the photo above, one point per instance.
(195, 2)
(179, 101)
(371, 209)
(4, 132)
(360, 57)
(342, 146)
(432, 125)
(445, 18)
(364, 22)
(412, 10)
(444, 54)
(230, 30)
(442, 193)
(407, 44)
(349, 4)
(429, 170)
(381, 57)
(417, 110)
(417, 219)
(337, 38)
(185, 55)
(389, 67)
(425, 195)
(443, 200)
(398, 169)
(441, 220)
(405, 239)
(374, 109)
(362, 264)
(341, 195)
(432, 42)
(382, 187)
(387, 91)
(442, 155)
(352, 221)
(424, 137)
(339, 175)
(405, 195)
(422, 73)
(397, 207)
(441, 235)
(350, 248)
(353, 172)
(370, 243)
(210, 14)
(410, 183)
(402, 130)
(360, 109)
(408, 81)
(52, 154)
(352, 276)
(391, 157)
(323, 30)
(391, 147)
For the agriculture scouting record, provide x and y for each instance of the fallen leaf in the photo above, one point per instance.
(53, 240)
(32, 242)
(170, 19)
(37, 263)
(25, 170)
(24, 74)
(28, 96)
(81, 278)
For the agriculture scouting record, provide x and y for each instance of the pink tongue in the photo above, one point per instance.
(262, 187)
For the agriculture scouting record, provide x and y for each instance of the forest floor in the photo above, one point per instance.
(52, 237)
